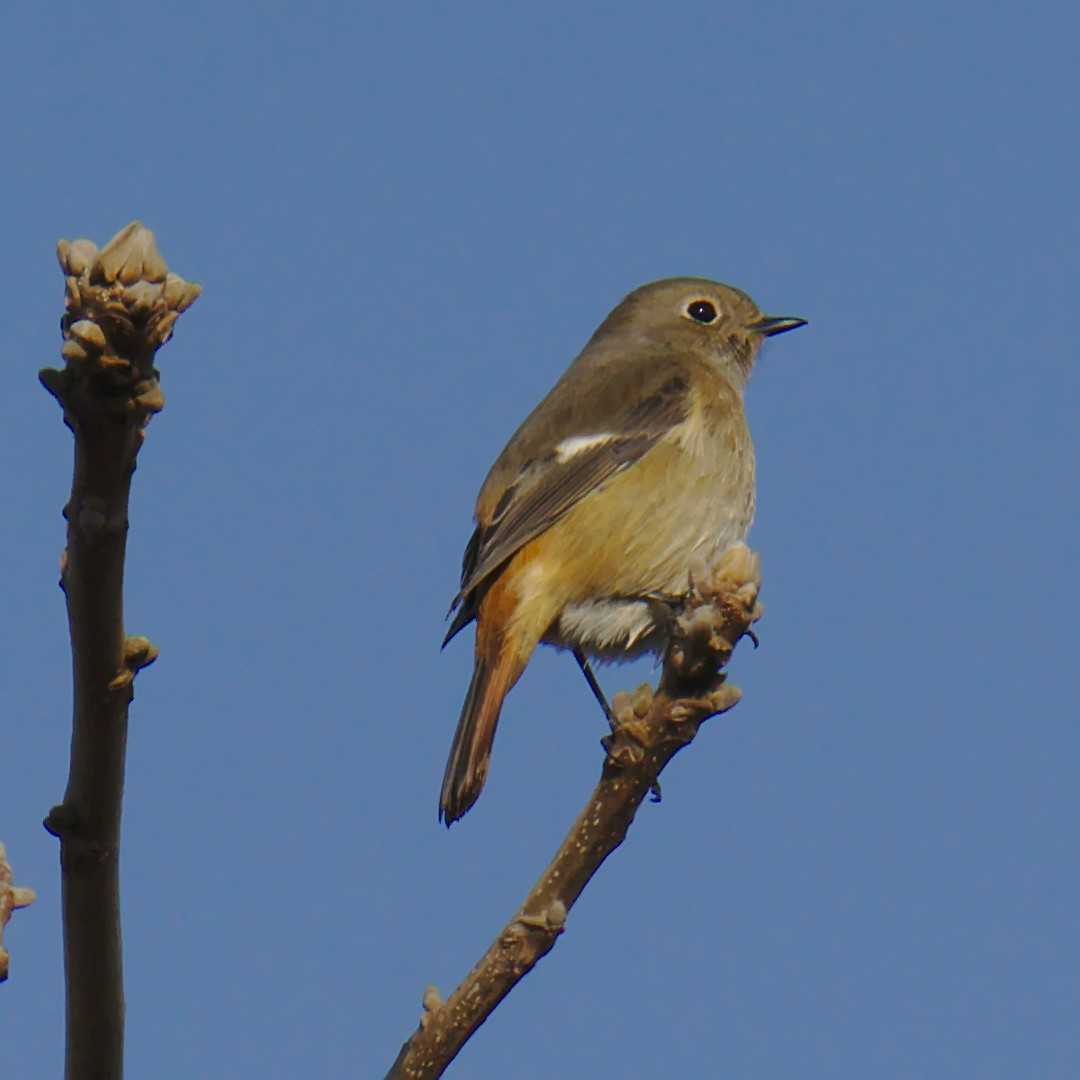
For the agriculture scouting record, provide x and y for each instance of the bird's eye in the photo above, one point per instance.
(702, 311)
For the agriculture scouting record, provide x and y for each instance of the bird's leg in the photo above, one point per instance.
(594, 686)
(666, 607)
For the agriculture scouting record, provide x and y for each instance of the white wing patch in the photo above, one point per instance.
(578, 444)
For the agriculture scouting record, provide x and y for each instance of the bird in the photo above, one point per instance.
(638, 461)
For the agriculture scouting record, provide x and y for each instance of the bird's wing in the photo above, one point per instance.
(547, 486)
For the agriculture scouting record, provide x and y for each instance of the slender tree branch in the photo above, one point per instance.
(650, 730)
(120, 306)
(11, 899)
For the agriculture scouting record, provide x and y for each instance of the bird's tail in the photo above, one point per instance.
(506, 636)
(467, 766)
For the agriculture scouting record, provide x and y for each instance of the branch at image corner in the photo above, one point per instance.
(12, 897)
(120, 306)
(650, 729)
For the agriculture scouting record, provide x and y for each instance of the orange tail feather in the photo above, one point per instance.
(470, 753)
(505, 641)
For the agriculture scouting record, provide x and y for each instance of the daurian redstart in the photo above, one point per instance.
(636, 462)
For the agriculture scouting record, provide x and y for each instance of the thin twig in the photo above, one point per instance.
(12, 897)
(120, 306)
(650, 730)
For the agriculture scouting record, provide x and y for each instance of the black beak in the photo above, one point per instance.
(776, 324)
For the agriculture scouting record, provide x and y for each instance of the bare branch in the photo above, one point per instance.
(11, 899)
(651, 729)
(120, 307)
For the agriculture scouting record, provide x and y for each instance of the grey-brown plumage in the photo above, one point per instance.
(636, 462)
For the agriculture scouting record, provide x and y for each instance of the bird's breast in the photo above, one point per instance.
(633, 541)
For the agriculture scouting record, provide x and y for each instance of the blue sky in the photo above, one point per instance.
(407, 221)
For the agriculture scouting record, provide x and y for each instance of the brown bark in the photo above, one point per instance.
(650, 730)
(120, 306)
